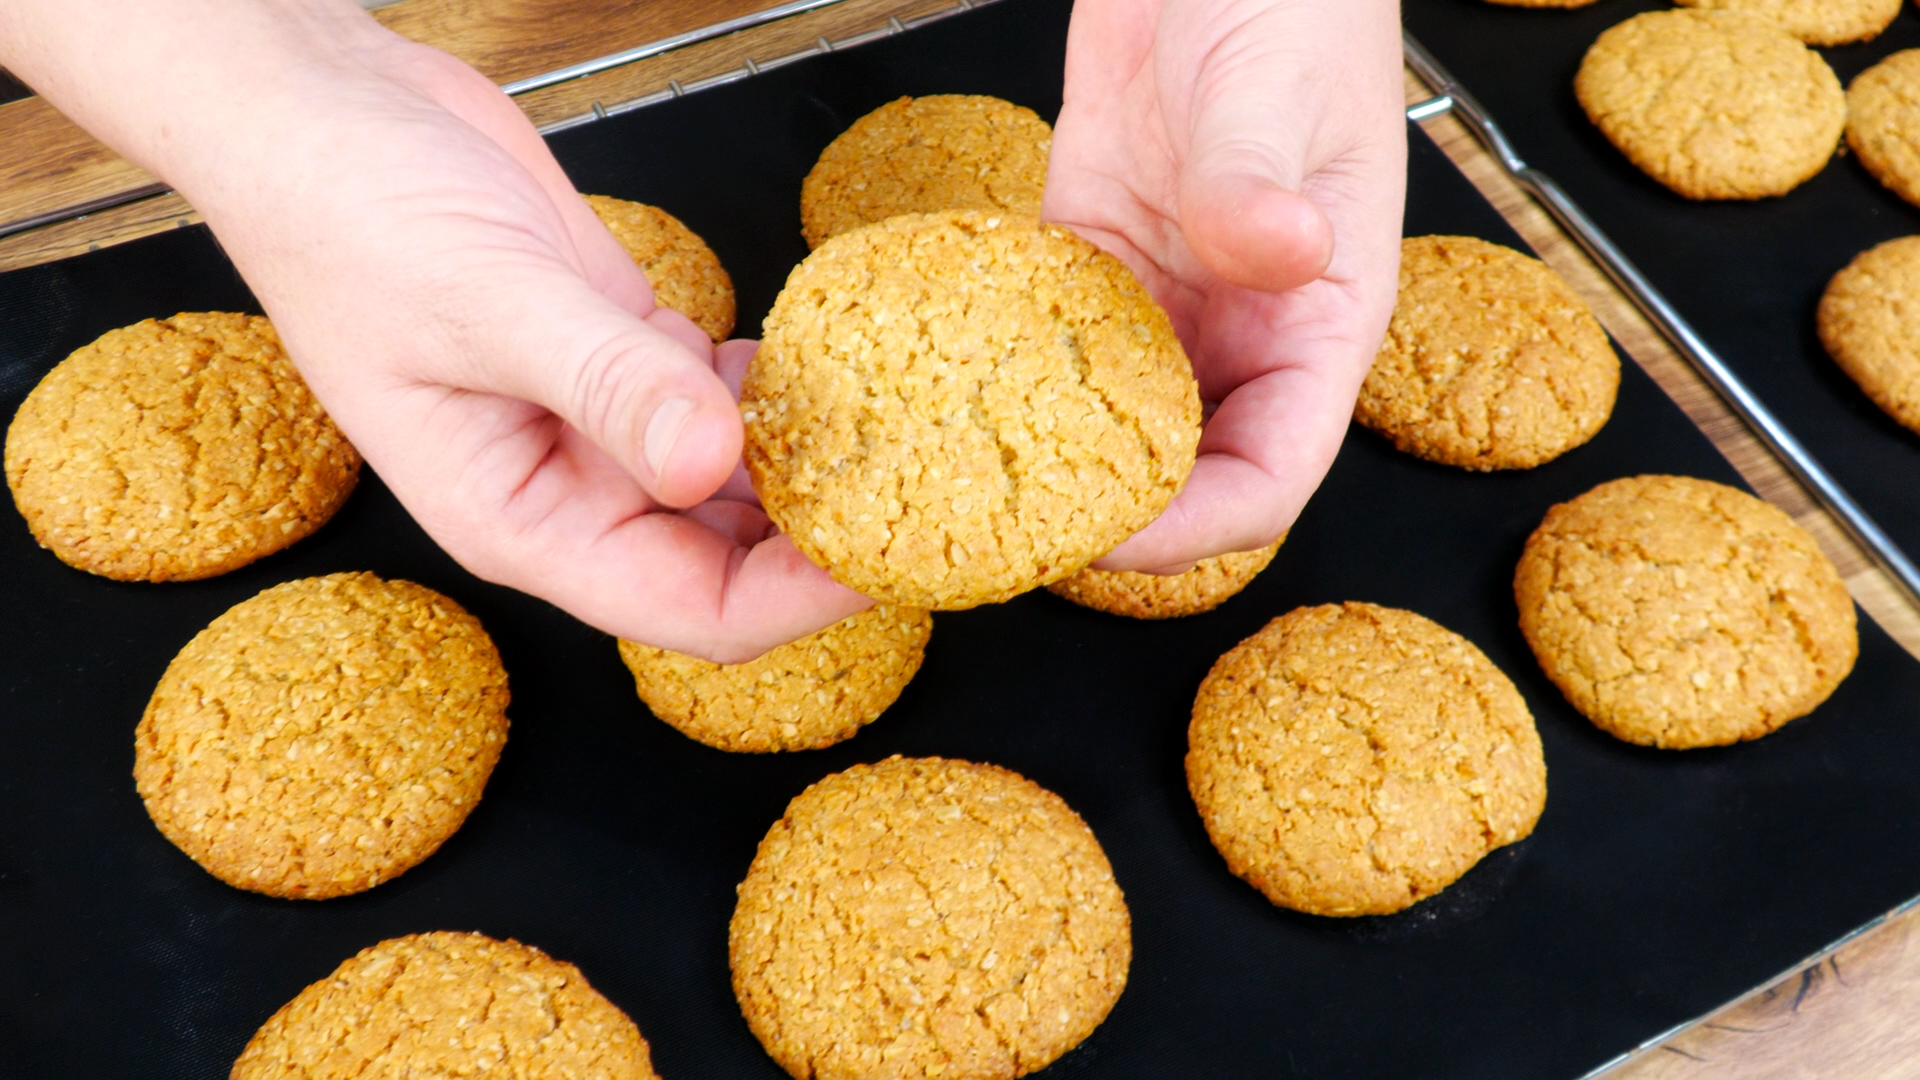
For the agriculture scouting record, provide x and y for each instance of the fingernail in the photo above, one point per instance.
(663, 432)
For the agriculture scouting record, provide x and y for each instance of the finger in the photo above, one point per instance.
(1248, 229)
(643, 391)
(1261, 458)
(730, 360)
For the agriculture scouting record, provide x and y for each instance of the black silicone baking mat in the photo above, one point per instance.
(1657, 886)
(1746, 275)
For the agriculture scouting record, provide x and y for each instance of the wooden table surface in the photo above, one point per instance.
(1848, 1014)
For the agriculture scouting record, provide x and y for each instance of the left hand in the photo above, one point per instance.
(1247, 159)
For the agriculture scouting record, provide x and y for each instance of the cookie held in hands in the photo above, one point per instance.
(950, 409)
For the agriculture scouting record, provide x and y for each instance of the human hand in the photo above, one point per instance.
(1247, 158)
(467, 321)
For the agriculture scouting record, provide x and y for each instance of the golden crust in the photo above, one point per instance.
(1209, 584)
(1869, 321)
(447, 1004)
(922, 155)
(1816, 22)
(1679, 613)
(1490, 362)
(1715, 105)
(950, 409)
(1351, 759)
(803, 695)
(926, 917)
(324, 736)
(685, 273)
(176, 449)
(1883, 122)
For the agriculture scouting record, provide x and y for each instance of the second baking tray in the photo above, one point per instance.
(1656, 887)
(1745, 275)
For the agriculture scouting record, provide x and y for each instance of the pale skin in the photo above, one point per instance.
(500, 362)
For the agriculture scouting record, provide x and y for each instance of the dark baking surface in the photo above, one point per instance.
(1747, 275)
(1657, 886)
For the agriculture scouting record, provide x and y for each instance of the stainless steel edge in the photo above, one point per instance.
(664, 45)
(1802, 464)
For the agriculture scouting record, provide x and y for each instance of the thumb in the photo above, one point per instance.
(641, 389)
(1247, 225)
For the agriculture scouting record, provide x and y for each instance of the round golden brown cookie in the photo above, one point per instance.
(1713, 104)
(926, 917)
(1490, 362)
(1816, 22)
(801, 696)
(1209, 584)
(1869, 321)
(1883, 122)
(176, 449)
(921, 155)
(324, 736)
(950, 409)
(1676, 612)
(685, 273)
(1352, 759)
(444, 1005)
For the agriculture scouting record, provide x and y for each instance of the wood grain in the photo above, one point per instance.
(764, 47)
(52, 165)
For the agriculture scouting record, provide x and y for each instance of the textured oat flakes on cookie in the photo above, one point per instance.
(1209, 584)
(1351, 759)
(922, 155)
(1680, 613)
(1869, 321)
(1715, 105)
(1816, 22)
(950, 409)
(176, 449)
(1883, 122)
(685, 273)
(324, 736)
(927, 917)
(803, 695)
(1490, 362)
(445, 1005)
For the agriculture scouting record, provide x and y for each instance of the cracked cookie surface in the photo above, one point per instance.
(1713, 104)
(323, 736)
(1351, 759)
(685, 273)
(1490, 361)
(950, 409)
(803, 695)
(1883, 122)
(927, 917)
(1209, 584)
(921, 155)
(1869, 321)
(1679, 613)
(443, 1005)
(1816, 22)
(176, 449)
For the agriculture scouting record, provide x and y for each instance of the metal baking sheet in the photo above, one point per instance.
(1746, 275)
(1656, 887)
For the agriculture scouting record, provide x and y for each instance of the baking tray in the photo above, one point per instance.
(1657, 886)
(1745, 275)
